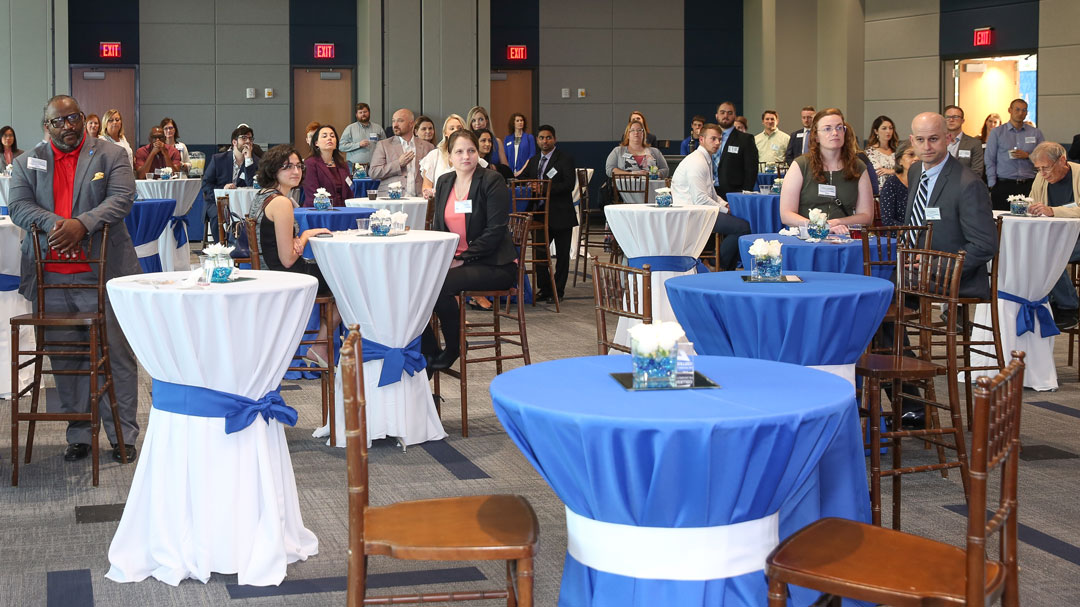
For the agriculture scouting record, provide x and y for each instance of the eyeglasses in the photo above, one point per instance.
(58, 122)
(637, 131)
(169, 128)
(1045, 169)
(288, 166)
(828, 129)
(953, 117)
(157, 137)
(244, 138)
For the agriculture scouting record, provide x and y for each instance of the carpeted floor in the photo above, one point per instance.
(56, 529)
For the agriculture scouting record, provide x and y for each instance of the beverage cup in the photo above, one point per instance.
(364, 225)
(372, 194)
(764, 189)
(804, 233)
(855, 230)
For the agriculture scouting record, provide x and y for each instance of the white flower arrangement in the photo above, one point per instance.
(397, 185)
(818, 217)
(166, 172)
(217, 249)
(398, 217)
(663, 191)
(356, 166)
(322, 193)
(790, 231)
(8, 169)
(382, 214)
(1020, 198)
(762, 248)
(656, 340)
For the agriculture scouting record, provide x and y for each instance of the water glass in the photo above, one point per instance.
(364, 225)
(397, 226)
(764, 189)
(157, 173)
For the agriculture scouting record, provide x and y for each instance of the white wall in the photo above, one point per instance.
(1059, 70)
(33, 63)
(626, 54)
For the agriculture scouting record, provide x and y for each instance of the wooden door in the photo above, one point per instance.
(323, 99)
(511, 95)
(115, 91)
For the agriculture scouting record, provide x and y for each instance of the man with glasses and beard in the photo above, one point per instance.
(735, 166)
(70, 187)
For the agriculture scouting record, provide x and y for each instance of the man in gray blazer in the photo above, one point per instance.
(70, 186)
(397, 159)
(954, 200)
(965, 148)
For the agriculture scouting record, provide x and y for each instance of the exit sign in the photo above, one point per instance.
(516, 52)
(109, 50)
(984, 36)
(324, 50)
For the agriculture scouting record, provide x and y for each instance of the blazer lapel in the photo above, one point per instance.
(44, 178)
(941, 183)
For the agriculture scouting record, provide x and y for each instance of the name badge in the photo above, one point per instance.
(963, 153)
(463, 206)
(733, 149)
(799, 134)
(933, 214)
(775, 147)
(551, 173)
(826, 190)
(37, 164)
(1029, 140)
(348, 181)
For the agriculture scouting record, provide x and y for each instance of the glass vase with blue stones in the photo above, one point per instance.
(818, 230)
(359, 172)
(395, 191)
(663, 197)
(217, 268)
(766, 268)
(654, 354)
(322, 203)
(777, 185)
(1018, 204)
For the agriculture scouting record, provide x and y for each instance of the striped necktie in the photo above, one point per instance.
(918, 208)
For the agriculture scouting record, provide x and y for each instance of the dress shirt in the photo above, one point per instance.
(716, 157)
(931, 178)
(692, 182)
(159, 162)
(64, 164)
(771, 148)
(237, 168)
(954, 147)
(999, 142)
(542, 166)
(351, 138)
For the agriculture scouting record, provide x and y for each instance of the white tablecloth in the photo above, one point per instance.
(12, 304)
(388, 286)
(203, 501)
(240, 199)
(1034, 253)
(183, 191)
(643, 230)
(415, 206)
(5, 185)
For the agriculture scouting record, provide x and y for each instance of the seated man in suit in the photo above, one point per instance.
(235, 167)
(799, 143)
(550, 163)
(692, 184)
(735, 166)
(965, 148)
(397, 159)
(1056, 193)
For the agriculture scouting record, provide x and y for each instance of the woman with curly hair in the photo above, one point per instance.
(881, 147)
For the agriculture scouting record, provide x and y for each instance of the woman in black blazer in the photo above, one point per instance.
(475, 205)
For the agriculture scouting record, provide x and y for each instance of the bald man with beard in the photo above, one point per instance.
(397, 159)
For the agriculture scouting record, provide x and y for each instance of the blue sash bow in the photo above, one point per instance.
(1025, 317)
(9, 282)
(668, 263)
(179, 225)
(238, 411)
(395, 360)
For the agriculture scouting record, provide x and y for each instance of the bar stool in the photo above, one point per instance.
(96, 348)
(586, 236)
(620, 291)
(534, 196)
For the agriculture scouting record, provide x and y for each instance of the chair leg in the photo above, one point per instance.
(968, 392)
(497, 330)
(778, 592)
(35, 394)
(511, 594)
(463, 365)
(521, 329)
(95, 413)
(874, 392)
(525, 582)
(897, 456)
(328, 375)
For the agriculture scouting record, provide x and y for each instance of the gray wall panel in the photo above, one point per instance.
(596, 81)
(902, 37)
(233, 79)
(590, 122)
(242, 44)
(647, 85)
(1057, 22)
(176, 43)
(164, 84)
(270, 122)
(1058, 118)
(665, 119)
(890, 9)
(192, 11)
(196, 121)
(260, 12)
(648, 47)
(628, 14)
(575, 13)
(566, 46)
(902, 78)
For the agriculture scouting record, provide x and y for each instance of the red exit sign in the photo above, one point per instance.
(984, 36)
(324, 50)
(516, 52)
(109, 50)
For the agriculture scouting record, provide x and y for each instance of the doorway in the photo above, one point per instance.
(511, 92)
(987, 85)
(99, 89)
(323, 95)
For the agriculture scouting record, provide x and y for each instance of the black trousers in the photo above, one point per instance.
(732, 228)
(562, 263)
(469, 277)
(1003, 188)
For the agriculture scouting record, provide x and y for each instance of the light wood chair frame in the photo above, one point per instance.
(885, 242)
(96, 348)
(537, 199)
(377, 530)
(225, 221)
(620, 291)
(627, 183)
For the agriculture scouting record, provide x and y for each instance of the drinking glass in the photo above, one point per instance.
(364, 225)
(855, 231)
(764, 189)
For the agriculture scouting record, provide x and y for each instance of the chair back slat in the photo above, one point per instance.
(881, 243)
(925, 278)
(352, 379)
(100, 260)
(630, 184)
(995, 442)
(583, 188)
(620, 291)
(222, 217)
(253, 243)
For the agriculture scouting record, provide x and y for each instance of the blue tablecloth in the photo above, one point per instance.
(687, 458)
(196, 219)
(761, 210)
(146, 221)
(766, 179)
(800, 256)
(360, 187)
(827, 320)
(337, 219)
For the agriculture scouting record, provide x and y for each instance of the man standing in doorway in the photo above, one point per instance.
(1008, 169)
(965, 148)
(735, 167)
(359, 138)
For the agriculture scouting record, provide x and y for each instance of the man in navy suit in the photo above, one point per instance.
(232, 168)
(800, 139)
(735, 166)
(550, 163)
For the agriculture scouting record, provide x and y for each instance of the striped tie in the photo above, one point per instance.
(918, 208)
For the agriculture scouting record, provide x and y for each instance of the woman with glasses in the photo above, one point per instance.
(633, 156)
(114, 132)
(636, 116)
(9, 145)
(280, 241)
(172, 137)
(830, 178)
(881, 146)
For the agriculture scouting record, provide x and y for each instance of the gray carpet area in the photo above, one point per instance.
(56, 529)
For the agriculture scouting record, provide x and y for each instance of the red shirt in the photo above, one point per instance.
(64, 164)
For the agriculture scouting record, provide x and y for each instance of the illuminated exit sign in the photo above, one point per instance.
(109, 50)
(516, 52)
(984, 36)
(324, 50)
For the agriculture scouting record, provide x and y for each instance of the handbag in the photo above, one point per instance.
(236, 235)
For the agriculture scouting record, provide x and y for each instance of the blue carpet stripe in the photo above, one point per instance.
(1033, 537)
(338, 584)
(69, 588)
(1056, 408)
(453, 460)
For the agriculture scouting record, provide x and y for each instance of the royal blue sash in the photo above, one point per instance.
(1025, 317)
(668, 263)
(9, 282)
(179, 225)
(395, 360)
(238, 411)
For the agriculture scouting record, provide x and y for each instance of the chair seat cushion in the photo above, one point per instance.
(861, 561)
(475, 527)
(890, 366)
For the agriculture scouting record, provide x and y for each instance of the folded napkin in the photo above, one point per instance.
(790, 231)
